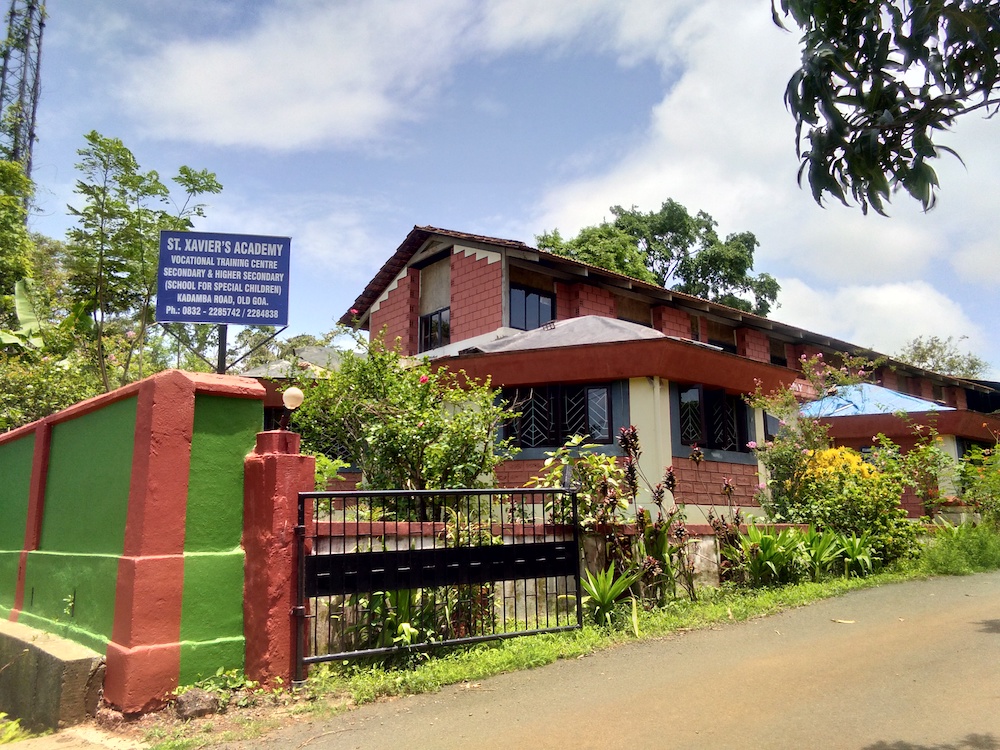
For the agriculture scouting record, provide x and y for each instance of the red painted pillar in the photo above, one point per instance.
(144, 654)
(36, 510)
(274, 474)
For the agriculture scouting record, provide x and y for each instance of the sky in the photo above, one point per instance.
(343, 124)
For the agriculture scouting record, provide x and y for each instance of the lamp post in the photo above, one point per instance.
(292, 398)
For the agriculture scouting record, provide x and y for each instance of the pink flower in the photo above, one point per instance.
(761, 486)
(782, 422)
(819, 356)
(861, 373)
(354, 311)
(424, 379)
(752, 445)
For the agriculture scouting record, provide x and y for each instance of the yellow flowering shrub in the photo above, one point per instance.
(832, 461)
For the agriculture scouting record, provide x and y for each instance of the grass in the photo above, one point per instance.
(961, 550)
(11, 730)
(362, 684)
(336, 687)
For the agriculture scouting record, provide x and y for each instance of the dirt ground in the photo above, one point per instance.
(910, 666)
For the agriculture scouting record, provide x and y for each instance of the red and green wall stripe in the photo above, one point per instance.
(125, 524)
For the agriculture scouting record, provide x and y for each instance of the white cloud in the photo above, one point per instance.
(302, 77)
(881, 316)
(331, 235)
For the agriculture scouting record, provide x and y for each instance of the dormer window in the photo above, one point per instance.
(531, 308)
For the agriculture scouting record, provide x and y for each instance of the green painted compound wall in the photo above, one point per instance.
(71, 579)
(212, 610)
(16, 458)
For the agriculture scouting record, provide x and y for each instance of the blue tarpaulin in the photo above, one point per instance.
(865, 398)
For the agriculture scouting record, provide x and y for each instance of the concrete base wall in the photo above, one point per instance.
(46, 681)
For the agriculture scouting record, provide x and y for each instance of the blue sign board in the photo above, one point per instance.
(223, 278)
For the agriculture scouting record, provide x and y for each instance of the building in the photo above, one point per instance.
(583, 349)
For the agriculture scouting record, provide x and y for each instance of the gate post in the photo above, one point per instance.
(274, 474)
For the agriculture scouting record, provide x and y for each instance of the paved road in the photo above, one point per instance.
(911, 666)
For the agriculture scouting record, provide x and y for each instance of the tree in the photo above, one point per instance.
(405, 427)
(114, 247)
(15, 244)
(604, 246)
(879, 81)
(670, 245)
(943, 356)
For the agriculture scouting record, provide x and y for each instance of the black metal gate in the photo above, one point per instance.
(385, 571)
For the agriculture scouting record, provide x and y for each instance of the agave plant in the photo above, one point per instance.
(604, 590)
(822, 550)
(858, 557)
(770, 558)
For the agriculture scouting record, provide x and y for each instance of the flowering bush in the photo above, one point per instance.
(810, 481)
(980, 478)
(33, 386)
(404, 426)
(657, 554)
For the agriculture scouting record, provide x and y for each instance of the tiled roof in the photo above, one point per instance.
(397, 262)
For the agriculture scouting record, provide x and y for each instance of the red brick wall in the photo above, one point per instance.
(888, 378)
(671, 321)
(702, 484)
(955, 397)
(575, 300)
(791, 356)
(926, 389)
(753, 344)
(516, 473)
(399, 313)
(476, 296)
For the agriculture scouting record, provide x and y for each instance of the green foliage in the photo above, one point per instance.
(769, 558)
(11, 730)
(32, 387)
(114, 247)
(597, 478)
(822, 550)
(15, 243)
(808, 481)
(670, 246)
(878, 82)
(27, 335)
(328, 471)
(859, 559)
(605, 246)
(608, 500)
(961, 549)
(980, 479)
(942, 355)
(404, 425)
(604, 590)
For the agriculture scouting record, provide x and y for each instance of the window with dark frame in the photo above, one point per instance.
(713, 419)
(778, 354)
(552, 414)
(530, 308)
(435, 329)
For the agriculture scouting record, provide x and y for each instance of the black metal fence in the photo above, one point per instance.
(387, 571)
